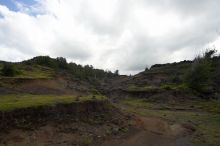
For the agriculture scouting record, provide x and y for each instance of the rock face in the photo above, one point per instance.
(29, 118)
(79, 123)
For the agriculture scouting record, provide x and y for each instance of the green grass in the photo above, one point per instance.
(137, 102)
(177, 87)
(180, 87)
(35, 71)
(134, 88)
(209, 105)
(11, 102)
(204, 115)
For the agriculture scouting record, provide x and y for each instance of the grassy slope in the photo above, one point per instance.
(11, 102)
(176, 87)
(35, 71)
(204, 115)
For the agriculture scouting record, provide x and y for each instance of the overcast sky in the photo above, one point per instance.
(110, 34)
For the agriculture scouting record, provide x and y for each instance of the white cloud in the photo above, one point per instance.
(110, 34)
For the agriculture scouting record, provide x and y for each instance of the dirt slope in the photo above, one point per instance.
(61, 84)
(62, 125)
(154, 132)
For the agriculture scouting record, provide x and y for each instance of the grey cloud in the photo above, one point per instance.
(112, 28)
(70, 49)
(15, 39)
(112, 47)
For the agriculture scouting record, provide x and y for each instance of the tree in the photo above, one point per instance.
(9, 70)
(146, 69)
(62, 63)
(116, 72)
(200, 74)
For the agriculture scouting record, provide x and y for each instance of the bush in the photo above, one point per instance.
(62, 63)
(9, 70)
(199, 77)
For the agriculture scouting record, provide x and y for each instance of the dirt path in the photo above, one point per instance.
(154, 132)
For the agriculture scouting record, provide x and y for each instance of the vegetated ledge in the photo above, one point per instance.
(94, 111)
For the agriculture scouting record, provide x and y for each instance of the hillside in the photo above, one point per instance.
(45, 75)
(48, 97)
(163, 78)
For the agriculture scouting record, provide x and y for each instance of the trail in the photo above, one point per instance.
(154, 132)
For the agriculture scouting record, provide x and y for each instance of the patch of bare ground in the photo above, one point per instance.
(61, 84)
(91, 123)
(150, 131)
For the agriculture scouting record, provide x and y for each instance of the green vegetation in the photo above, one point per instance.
(26, 71)
(203, 115)
(208, 106)
(36, 71)
(137, 102)
(134, 88)
(46, 67)
(177, 87)
(212, 106)
(116, 72)
(176, 69)
(86, 72)
(199, 77)
(10, 102)
(9, 70)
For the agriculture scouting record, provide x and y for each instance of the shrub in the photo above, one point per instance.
(62, 63)
(199, 77)
(9, 70)
(116, 72)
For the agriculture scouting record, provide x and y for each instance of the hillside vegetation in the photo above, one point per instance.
(197, 78)
(12, 102)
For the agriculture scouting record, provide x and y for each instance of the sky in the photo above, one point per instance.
(128, 35)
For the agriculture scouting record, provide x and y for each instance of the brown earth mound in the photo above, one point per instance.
(57, 85)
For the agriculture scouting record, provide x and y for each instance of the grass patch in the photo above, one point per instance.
(179, 87)
(134, 88)
(208, 105)
(137, 102)
(35, 71)
(205, 116)
(11, 102)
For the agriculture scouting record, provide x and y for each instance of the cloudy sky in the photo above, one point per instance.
(110, 34)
